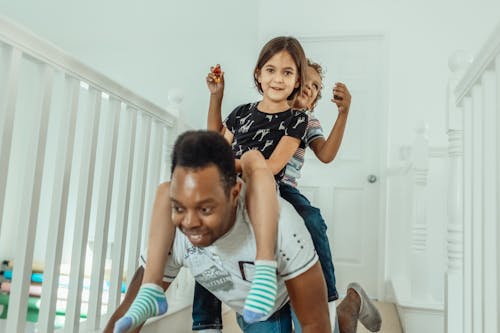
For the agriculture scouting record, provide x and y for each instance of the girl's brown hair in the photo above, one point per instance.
(276, 45)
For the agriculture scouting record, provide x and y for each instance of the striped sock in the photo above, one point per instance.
(262, 295)
(149, 302)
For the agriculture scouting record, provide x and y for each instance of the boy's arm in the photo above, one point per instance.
(326, 150)
(130, 295)
(309, 300)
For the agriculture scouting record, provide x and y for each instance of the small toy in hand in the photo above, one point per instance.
(217, 71)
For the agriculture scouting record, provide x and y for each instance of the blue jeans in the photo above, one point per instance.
(279, 322)
(317, 228)
(206, 309)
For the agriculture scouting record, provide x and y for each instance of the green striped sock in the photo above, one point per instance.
(262, 296)
(149, 302)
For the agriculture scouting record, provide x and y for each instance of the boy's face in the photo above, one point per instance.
(312, 87)
(201, 209)
(278, 77)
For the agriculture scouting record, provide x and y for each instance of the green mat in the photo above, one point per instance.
(33, 309)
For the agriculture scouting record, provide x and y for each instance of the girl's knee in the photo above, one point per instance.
(252, 160)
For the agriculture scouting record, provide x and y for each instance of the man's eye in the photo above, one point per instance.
(206, 210)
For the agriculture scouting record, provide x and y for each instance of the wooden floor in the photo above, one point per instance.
(390, 320)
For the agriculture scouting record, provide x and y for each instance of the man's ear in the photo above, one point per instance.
(235, 193)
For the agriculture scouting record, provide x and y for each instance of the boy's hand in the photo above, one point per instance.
(215, 80)
(341, 97)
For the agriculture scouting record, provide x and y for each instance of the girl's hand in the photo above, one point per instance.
(341, 97)
(215, 80)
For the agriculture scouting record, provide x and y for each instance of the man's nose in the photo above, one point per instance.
(191, 220)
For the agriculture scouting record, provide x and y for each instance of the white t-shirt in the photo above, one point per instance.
(226, 267)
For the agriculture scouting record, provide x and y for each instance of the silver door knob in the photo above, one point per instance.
(372, 179)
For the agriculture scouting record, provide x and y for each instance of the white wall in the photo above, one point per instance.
(153, 46)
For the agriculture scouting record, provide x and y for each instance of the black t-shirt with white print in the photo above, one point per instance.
(254, 129)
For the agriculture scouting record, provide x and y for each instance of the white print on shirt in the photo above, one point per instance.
(268, 144)
(244, 119)
(215, 279)
(300, 120)
(245, 128)
(262, 132)
(269, 117)
(282, 127)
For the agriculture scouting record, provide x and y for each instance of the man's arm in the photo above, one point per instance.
(309, 300)
(130, 295)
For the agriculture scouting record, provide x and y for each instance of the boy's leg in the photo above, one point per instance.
(263, 210)
(150, 300)
(206, 310)
(317, 228)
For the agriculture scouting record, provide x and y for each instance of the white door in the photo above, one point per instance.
(348, 190)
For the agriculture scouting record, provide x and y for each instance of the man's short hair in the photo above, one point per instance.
(200, 149)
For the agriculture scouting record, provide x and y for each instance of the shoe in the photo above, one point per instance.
(369, 315)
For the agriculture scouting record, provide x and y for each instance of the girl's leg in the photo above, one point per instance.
(150, 300)
(263, 210)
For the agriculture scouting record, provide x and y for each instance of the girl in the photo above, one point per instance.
(325, 150)
(278, 76)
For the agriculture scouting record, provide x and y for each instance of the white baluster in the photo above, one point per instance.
(490, 181)
(153, 176)
(59, 205)
(467, 234)
(7, 112)
(84, 160)
(26, 224)
(477, 208)
(419, 253)
(101, 202)
(120, 202)
(497, 220)
(458, 63)
(136, 207)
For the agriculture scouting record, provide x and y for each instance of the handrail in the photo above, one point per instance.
(482, 61)
(46, 52)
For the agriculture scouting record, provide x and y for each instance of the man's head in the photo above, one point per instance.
(311, 90)
(203, 188)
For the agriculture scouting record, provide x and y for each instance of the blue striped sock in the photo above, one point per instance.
(262, 296)
(149, 302)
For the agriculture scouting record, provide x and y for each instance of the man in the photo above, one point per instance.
(217, 244)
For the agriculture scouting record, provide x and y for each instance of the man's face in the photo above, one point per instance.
(310, 90)
(200, 207)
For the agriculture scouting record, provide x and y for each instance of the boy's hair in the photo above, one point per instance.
(199, 149)
(317, 67)
(276, 45)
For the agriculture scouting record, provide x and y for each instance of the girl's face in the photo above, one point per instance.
(278, 77)
(310, 90)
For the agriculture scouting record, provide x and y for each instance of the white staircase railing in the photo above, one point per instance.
(80, 156)
(473, 272)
